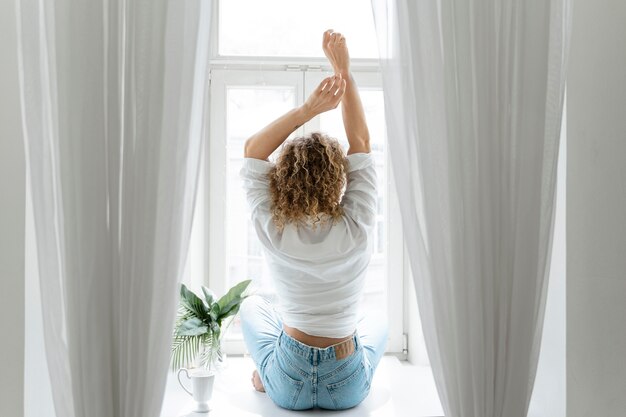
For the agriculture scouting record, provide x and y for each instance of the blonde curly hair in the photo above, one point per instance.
(307, 181)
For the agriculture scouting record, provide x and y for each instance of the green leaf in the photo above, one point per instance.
(192, 327)
(233, 311)
(209, 296)
(184, 350)
(193, 303)
(214, 313)
(232, 308)
(212, 352)
(232, 297)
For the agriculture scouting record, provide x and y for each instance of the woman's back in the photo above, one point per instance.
(318, 271)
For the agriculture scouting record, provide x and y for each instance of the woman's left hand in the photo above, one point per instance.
(326, 96)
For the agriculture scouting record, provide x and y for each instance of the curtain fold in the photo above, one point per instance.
(473, 101)
(112, 105)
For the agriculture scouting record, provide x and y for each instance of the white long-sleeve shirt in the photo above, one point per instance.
(318, 274)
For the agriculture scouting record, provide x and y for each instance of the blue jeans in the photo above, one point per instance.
(299, 377)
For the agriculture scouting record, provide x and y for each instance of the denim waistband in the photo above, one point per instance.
(311, 353)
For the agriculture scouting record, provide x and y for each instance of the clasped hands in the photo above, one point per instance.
(330, 91)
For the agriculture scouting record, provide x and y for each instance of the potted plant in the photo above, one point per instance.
(196, 343)
(200, 325)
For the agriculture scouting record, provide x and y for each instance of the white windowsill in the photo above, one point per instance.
(399, 389)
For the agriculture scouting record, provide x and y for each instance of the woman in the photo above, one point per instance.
(312, 350)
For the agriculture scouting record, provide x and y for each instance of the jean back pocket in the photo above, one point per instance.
(350, 391)
(282, 388)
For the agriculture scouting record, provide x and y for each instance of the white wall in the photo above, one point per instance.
(11, 223)
(596, 211)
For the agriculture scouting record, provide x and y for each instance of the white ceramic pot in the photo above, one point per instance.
(201, 387)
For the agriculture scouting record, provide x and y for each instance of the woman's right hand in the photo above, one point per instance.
(336, 50)
(326, 96)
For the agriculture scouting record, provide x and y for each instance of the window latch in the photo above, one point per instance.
(405, 344)
(293, 68)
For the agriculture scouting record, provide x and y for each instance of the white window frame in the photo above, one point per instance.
(229, 70)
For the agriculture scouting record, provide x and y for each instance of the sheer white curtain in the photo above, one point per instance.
(112, 98)
(473, 100)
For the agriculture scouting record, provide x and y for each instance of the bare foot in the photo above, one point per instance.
(256, 382)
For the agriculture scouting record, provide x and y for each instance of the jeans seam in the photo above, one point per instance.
(314, 385)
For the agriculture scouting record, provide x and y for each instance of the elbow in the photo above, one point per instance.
(366, 144)
(365, 140)
(253, 149)
(246, 149)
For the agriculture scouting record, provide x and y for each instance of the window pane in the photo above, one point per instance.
(248, 110)
(375, 295)
(294, 28)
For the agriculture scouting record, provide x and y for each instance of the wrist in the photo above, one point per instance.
(345, 72)
(305, 113)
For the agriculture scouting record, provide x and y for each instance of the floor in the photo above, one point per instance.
(398, 389)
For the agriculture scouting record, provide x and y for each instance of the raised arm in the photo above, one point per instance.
(336, 50)
(326, 96)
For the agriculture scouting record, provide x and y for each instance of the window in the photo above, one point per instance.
(290, 28)
(249, 88)
(255, 79)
